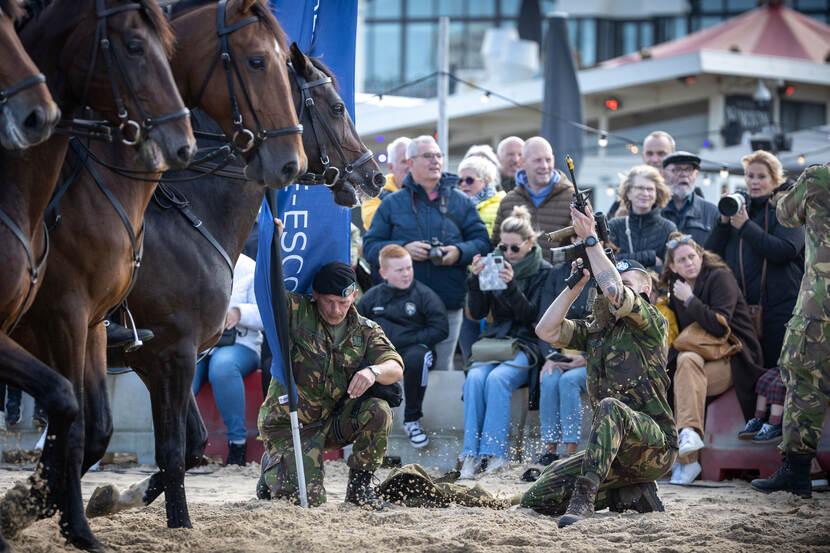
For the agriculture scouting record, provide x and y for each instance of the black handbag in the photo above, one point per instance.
(228, 338)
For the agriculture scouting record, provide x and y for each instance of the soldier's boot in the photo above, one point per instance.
(582, 502)
(262, 489)
(640, 497)
(793, 476)
(361, 492)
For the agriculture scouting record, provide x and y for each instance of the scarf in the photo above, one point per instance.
(485, 193)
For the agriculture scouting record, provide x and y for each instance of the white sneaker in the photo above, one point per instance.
(496, 464)
(689, 441)
(686, 473)
(469, 467)
(417, 437)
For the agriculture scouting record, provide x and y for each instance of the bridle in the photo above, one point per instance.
(34, 80)
(243, 139)
(131, 130)
(330, 175)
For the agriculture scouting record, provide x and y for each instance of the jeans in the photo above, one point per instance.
(560, 405)
(445, 349)
(225, 369)
(487, 392)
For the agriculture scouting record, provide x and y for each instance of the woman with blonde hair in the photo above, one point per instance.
(479, 179)
(512, 314)
(641, 234)
(703, 290)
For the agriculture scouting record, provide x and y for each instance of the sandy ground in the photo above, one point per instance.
(227, 517)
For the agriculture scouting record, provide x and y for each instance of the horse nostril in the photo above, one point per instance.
(184, 154)
(378, 179)
(290, 170)
(35, 120)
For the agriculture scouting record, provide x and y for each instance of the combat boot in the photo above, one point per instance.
(582, 502)
(793, 476)
(360, 491)
(636, 497)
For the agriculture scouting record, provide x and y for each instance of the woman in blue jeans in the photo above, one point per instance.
(226, 366)
(513, 312)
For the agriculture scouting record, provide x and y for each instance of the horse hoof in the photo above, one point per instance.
(103, 501)
(17, 510)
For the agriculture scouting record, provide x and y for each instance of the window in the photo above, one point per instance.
(383, 8)
(588, 41)
(383, 56)
(483, 8)
(802, 115)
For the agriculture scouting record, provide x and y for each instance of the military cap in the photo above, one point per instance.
(335, 278)
(681, 157)
(624, 265)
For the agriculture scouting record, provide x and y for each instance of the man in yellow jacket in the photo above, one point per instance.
(398, 167)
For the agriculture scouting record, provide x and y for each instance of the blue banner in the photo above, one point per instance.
(316, 229)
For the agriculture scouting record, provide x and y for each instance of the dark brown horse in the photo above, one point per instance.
(78, 291)
(124, 74)
(27, 112)
(184, 287)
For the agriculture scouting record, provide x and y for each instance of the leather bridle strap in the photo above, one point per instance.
(34, 80)
(243, 139)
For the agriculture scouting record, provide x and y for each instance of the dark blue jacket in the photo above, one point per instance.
(648, 236)
(409, 215)
(698, 219)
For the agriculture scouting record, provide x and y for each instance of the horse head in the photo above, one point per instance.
(337, 157)
(28, 114)
(245, 87)
(125, 75)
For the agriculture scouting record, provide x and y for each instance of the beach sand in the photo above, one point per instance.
(227, 517)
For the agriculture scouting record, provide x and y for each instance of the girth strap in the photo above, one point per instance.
(34, 270)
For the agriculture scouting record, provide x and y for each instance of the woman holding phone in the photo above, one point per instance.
(513, 312)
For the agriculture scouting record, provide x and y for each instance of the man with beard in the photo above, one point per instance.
(691, 213)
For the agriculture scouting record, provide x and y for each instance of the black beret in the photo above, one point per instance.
(335, 278)
(624, 265)
(681, 157)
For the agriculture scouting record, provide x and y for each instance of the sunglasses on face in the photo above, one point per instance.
(469, 180)
(515, 248)
(674, 242)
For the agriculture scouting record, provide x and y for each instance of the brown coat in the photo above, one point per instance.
(552, 214)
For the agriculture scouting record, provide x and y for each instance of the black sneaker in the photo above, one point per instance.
(769, 434)
(547, 458)
(752, 427)
(236, 454)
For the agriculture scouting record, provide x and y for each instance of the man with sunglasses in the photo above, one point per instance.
(633, 440)
(440, 228)
(690, 212)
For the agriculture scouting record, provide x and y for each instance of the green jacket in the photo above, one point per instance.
(628, 361)
(323, 369)
(808, 203)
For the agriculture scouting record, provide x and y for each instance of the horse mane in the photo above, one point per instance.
(11, 8)
(149, 9)
(324, 68)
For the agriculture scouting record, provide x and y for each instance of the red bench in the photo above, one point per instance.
(724, 453)
(217, 442)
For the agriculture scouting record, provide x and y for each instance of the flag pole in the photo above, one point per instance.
(278, 303)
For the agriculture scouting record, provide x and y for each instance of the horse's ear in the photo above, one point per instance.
(247, 4)
(298, 59)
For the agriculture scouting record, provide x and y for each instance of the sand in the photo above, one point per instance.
(227, 517)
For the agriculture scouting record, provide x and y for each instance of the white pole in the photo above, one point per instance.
(298, 458)
(443, 83)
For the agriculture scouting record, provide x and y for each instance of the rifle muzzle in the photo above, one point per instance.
(561, 234)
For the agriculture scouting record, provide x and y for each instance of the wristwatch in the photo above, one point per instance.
(375, 370)
(591, 241)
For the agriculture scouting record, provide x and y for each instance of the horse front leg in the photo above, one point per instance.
(97, 411)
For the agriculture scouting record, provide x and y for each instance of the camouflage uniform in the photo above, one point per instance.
(805, 356)
(329, 418)
(633, 437)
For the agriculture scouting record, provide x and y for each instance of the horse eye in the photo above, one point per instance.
(135, 47)
(338, 108)
(257, 62)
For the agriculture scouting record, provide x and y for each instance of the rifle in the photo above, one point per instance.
(577, 250)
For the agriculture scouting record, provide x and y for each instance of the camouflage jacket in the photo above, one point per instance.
(808, 202)
(323, 369)
(627, 361)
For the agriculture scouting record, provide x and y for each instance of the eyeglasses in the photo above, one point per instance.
(674, 242)
(469, 180)
(647, 189)
(515, 248)
(430, 155)
(688, 169)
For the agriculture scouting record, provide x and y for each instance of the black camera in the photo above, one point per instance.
(436, 254)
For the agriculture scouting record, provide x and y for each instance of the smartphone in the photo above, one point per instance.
(557, 357)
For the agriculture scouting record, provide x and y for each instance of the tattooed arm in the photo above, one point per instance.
(605, 273)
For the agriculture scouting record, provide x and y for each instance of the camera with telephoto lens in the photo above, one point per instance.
(731, 204)
(436, 254)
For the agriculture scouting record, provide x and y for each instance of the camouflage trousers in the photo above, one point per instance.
(805, 370)
(624, 447)
(364, 424)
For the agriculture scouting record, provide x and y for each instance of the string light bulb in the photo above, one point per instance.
(603, 140)
(707, 181)
(485, 97)
(802, 160)
(609, 191)
(724, 173)
(634, 149)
